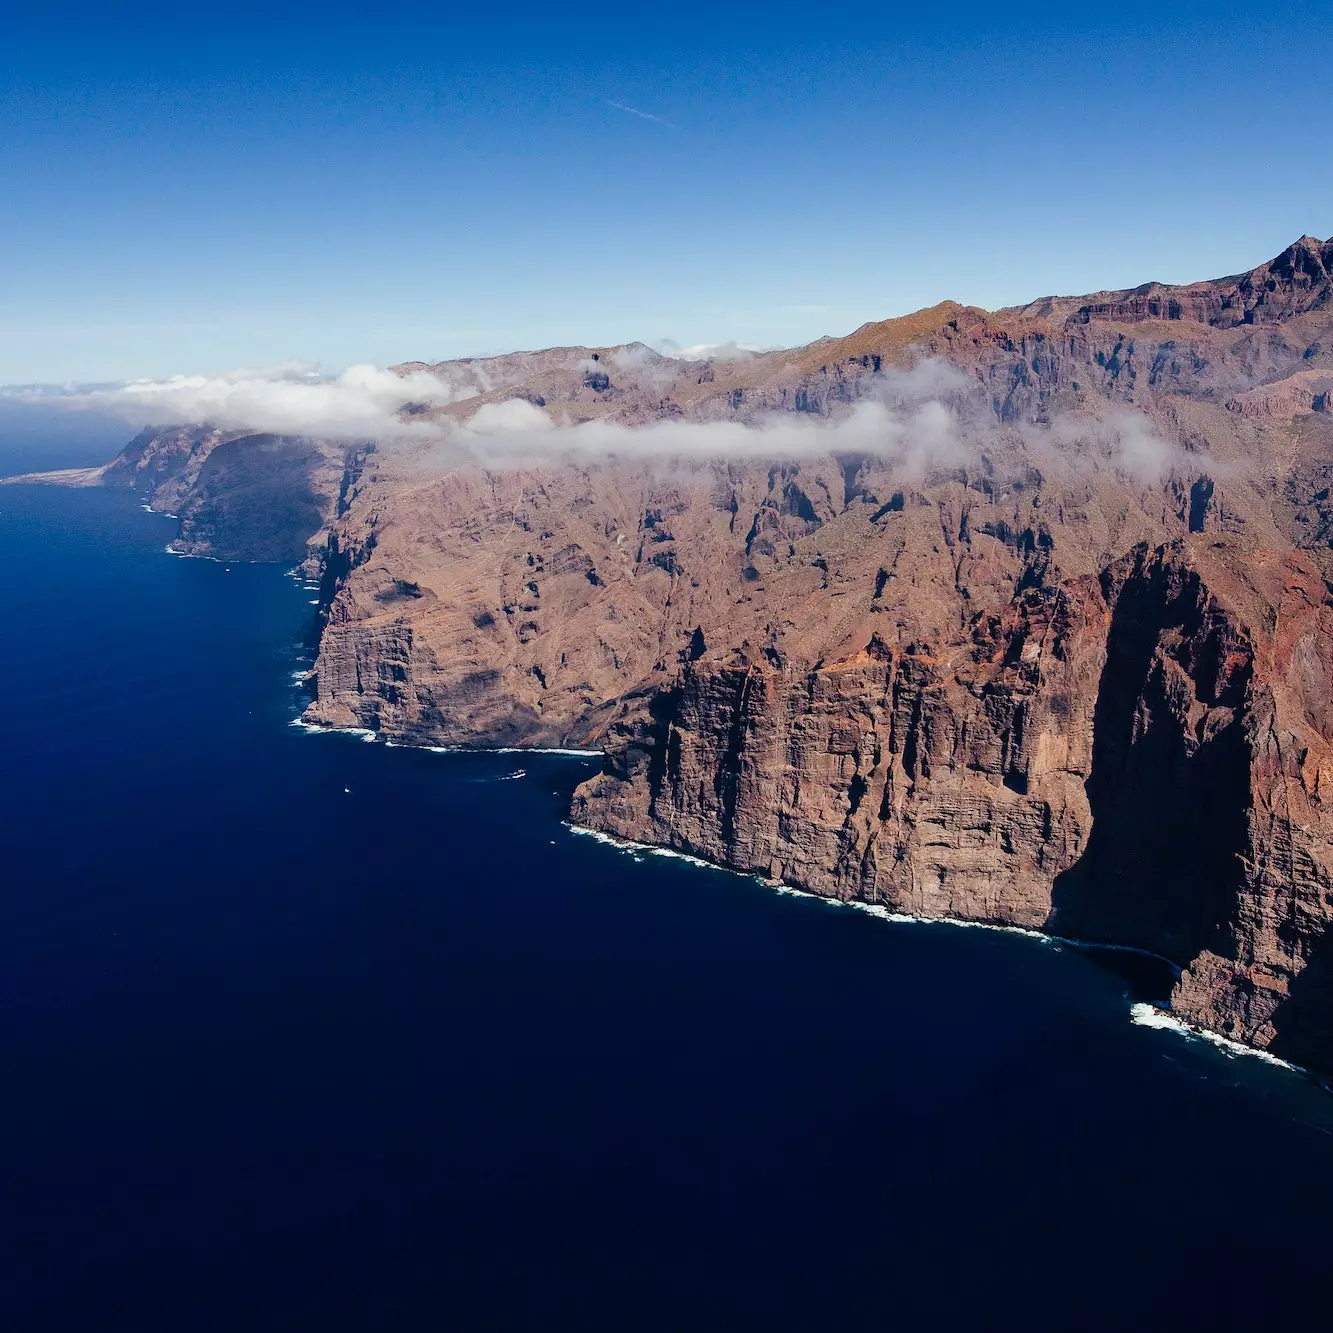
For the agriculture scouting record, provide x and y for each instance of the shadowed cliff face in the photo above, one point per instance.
(1168, 789)
(1070, 673)
(1303, 1023)
(258, 497)
(239, 496)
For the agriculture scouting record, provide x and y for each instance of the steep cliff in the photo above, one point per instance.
(1139, 758)
(1050, 645)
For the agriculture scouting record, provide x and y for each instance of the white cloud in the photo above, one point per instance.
(925, 379)
(1120, 438)
(292, 399)
(516, 433)
(645, 367)
(727, 351)
(513, 416)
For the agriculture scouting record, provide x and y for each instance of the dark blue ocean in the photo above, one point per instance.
(303, 1033)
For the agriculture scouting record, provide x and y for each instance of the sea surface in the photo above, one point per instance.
(303, 1033)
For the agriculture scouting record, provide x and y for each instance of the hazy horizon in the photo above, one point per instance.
(727, 349)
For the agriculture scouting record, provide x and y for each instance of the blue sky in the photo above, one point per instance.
(189, 189)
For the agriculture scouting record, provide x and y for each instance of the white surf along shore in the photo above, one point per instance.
(1140, 1014)
(375, 737)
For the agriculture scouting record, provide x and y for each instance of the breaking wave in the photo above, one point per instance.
(1150, 1016)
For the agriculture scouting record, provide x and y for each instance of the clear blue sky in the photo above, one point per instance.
(197, 187)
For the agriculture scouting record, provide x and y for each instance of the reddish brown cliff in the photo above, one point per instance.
(1036, 629)
(1139, 759)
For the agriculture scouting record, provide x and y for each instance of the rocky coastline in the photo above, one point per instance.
(1071, 672)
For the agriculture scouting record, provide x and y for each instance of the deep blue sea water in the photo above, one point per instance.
(298, 1032)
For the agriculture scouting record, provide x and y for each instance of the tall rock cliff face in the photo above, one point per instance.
(1139, 758)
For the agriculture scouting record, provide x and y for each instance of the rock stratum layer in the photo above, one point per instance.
(1023, 616)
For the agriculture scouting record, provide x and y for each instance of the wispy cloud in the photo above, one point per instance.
(517, 434)
(1119, 438)
(915, 419)
(727, 351)
(364, 402)
(642, 115)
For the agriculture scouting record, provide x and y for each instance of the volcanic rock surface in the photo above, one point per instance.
(1035, 628)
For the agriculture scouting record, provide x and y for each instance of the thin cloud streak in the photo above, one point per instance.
(642, 115)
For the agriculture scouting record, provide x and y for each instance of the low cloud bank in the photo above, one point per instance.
(364, 402)
(519, 434)
(914, 433)
(914, 419)
(924, 416)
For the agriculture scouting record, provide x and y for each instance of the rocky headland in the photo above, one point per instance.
(1019, 616)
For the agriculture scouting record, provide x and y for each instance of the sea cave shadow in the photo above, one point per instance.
(1162, 867)
(1148, 979)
